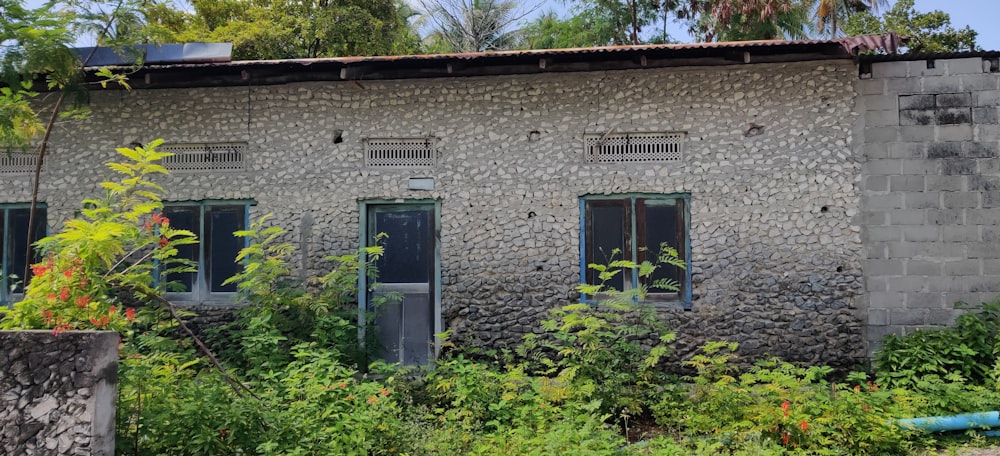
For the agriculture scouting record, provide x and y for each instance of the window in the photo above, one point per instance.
(215, 254)
(636, 226)
(14, 222)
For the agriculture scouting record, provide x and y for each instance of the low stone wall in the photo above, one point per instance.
(57, 392)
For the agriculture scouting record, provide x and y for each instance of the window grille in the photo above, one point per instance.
(206, 157)
(633, 147)
(17, 163)
(401, 152)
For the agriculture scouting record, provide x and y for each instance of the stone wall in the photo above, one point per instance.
(57, 393)
(768, 162)
(931, 190)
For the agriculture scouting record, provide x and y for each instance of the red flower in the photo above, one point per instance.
(804, 426)
(82, 301)
(784, 406)
(38, 270)
(64, 294)
(112, 309)
(163, 242)
(784, 437)
(129, 314)
(68, 273)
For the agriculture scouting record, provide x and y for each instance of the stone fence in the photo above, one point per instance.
(57, 392)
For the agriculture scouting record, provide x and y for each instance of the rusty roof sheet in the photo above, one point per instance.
(263, 72)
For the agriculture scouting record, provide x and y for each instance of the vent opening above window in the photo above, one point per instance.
(17, 163)
(633, 147)
(401, 152)
(205, 157)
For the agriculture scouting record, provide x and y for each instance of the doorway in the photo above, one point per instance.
(404, 297)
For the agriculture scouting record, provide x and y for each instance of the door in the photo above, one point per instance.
(403, 297)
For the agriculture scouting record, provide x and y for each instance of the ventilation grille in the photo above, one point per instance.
(401, 152)
(633, 147)
(17, 163)
(206, 157)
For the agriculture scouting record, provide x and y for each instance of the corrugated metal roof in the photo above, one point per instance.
(263, 72)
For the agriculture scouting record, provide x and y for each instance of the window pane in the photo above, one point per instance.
(17, 242)
(409, 245)
(184, 218)
(221, 247)
(606, 231)
(661, 224)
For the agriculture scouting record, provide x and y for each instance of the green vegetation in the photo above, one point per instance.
(928, 32)
(286, 378)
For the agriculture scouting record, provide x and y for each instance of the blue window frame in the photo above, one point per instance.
(214, 222)
(636, 225)
(14, 222)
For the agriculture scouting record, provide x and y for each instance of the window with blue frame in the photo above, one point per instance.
(14, 222)
(214, 222)
(633, 227)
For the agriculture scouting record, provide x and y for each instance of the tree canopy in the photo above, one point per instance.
(927, 32)
(283, 29)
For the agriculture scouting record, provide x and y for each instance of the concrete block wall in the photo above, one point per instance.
(930, 191)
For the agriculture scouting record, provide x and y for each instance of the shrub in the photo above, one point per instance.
(785, 406)
(968, 348)
(610, 349)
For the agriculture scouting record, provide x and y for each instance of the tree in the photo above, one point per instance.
(831, 13)
(285, 29)
(927, 32)
(37, 44)
(473, 25)
(741, 20)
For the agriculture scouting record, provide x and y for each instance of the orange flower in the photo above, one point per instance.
(384, 392)
(82, 301)
(129, 314)
(68, 273)
(785, 406)
(343, 384)
(112, 309)
(64, 294)
(804, 426)
(163, 242)
(784, 437)
(857, 388)
(372, 400)
(38, 270)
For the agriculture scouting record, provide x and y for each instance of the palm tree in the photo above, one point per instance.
(831, 13)
(473, 25)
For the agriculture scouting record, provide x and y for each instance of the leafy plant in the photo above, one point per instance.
(283, 312)
(98, 261)
(784, 406)
(968, 349)
(609, 350)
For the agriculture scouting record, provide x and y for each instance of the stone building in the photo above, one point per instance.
(819, 200)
